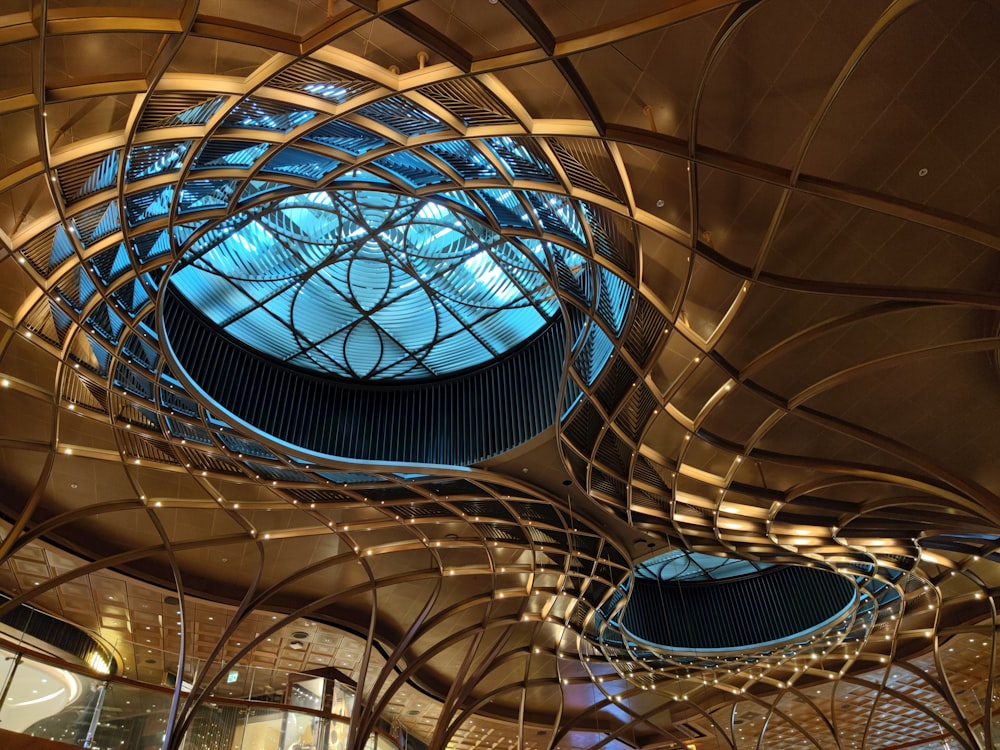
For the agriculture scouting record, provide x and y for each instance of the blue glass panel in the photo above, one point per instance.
(62, 247)
(345, 137)
(573, 274)
(103, 176)
(571, 397)
(148, 204)
(151, 244)
(454, 354)
(96, 222)
(321, 80)
(103, 322)
(541, 251)
(501, 337)
(522, 159)
(221, 152)
(197, 195)
(185, 431)
(60, 319)
(130, 297)
(154, 159)
(198, 114)
(215, 422)
(101, 355)
(110, 222)
(556, 215)
(679, 565)
(86, 288)
(369, 285)
(333, 92)
(257, 187)
(353, 477)
(110, 263)
(244, 446)
(183, 232)
(612, 239)
(465, 159)
(403, 116)
(176, 403)
(301, 163)
(415, 172)
(146, 325)
(614, 299)
(219, 301)
(277, 473)
(132, 382)
(264, 115)
(138, 352)
(265, 332)
(506, 208)
(594, 354)
(356, 176)
(462, 198)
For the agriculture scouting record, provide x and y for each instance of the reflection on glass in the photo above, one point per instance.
(38, 692)
(65, 705)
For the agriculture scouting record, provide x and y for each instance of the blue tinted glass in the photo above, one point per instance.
(156, 158)
(522, 159)
(62, 247)
(201, 194)
(222, 153)
(416, 172)
(301, 163)
(403, 116)
(372, 285)
(345, 137)
(102, 177)
(149, 204)
(264, 115)
(95, 223)
(678, 565)
(465, 159)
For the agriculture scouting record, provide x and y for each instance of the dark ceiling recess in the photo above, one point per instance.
(59, 634)
(772, 605)
(456, 420)
(765, 238)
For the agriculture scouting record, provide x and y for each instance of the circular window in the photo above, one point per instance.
(370, 325)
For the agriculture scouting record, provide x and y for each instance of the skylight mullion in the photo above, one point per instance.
(377, 284)
(287, 285)
(314, 344)
(524, 292)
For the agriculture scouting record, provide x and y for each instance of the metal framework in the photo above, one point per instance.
(775, 345)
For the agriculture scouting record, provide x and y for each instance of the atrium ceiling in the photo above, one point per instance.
(514, 350)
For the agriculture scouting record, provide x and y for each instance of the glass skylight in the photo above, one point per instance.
(679, 565)
(370, 285)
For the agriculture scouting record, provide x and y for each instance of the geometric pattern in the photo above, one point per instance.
(769, 229)
(367, 286)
